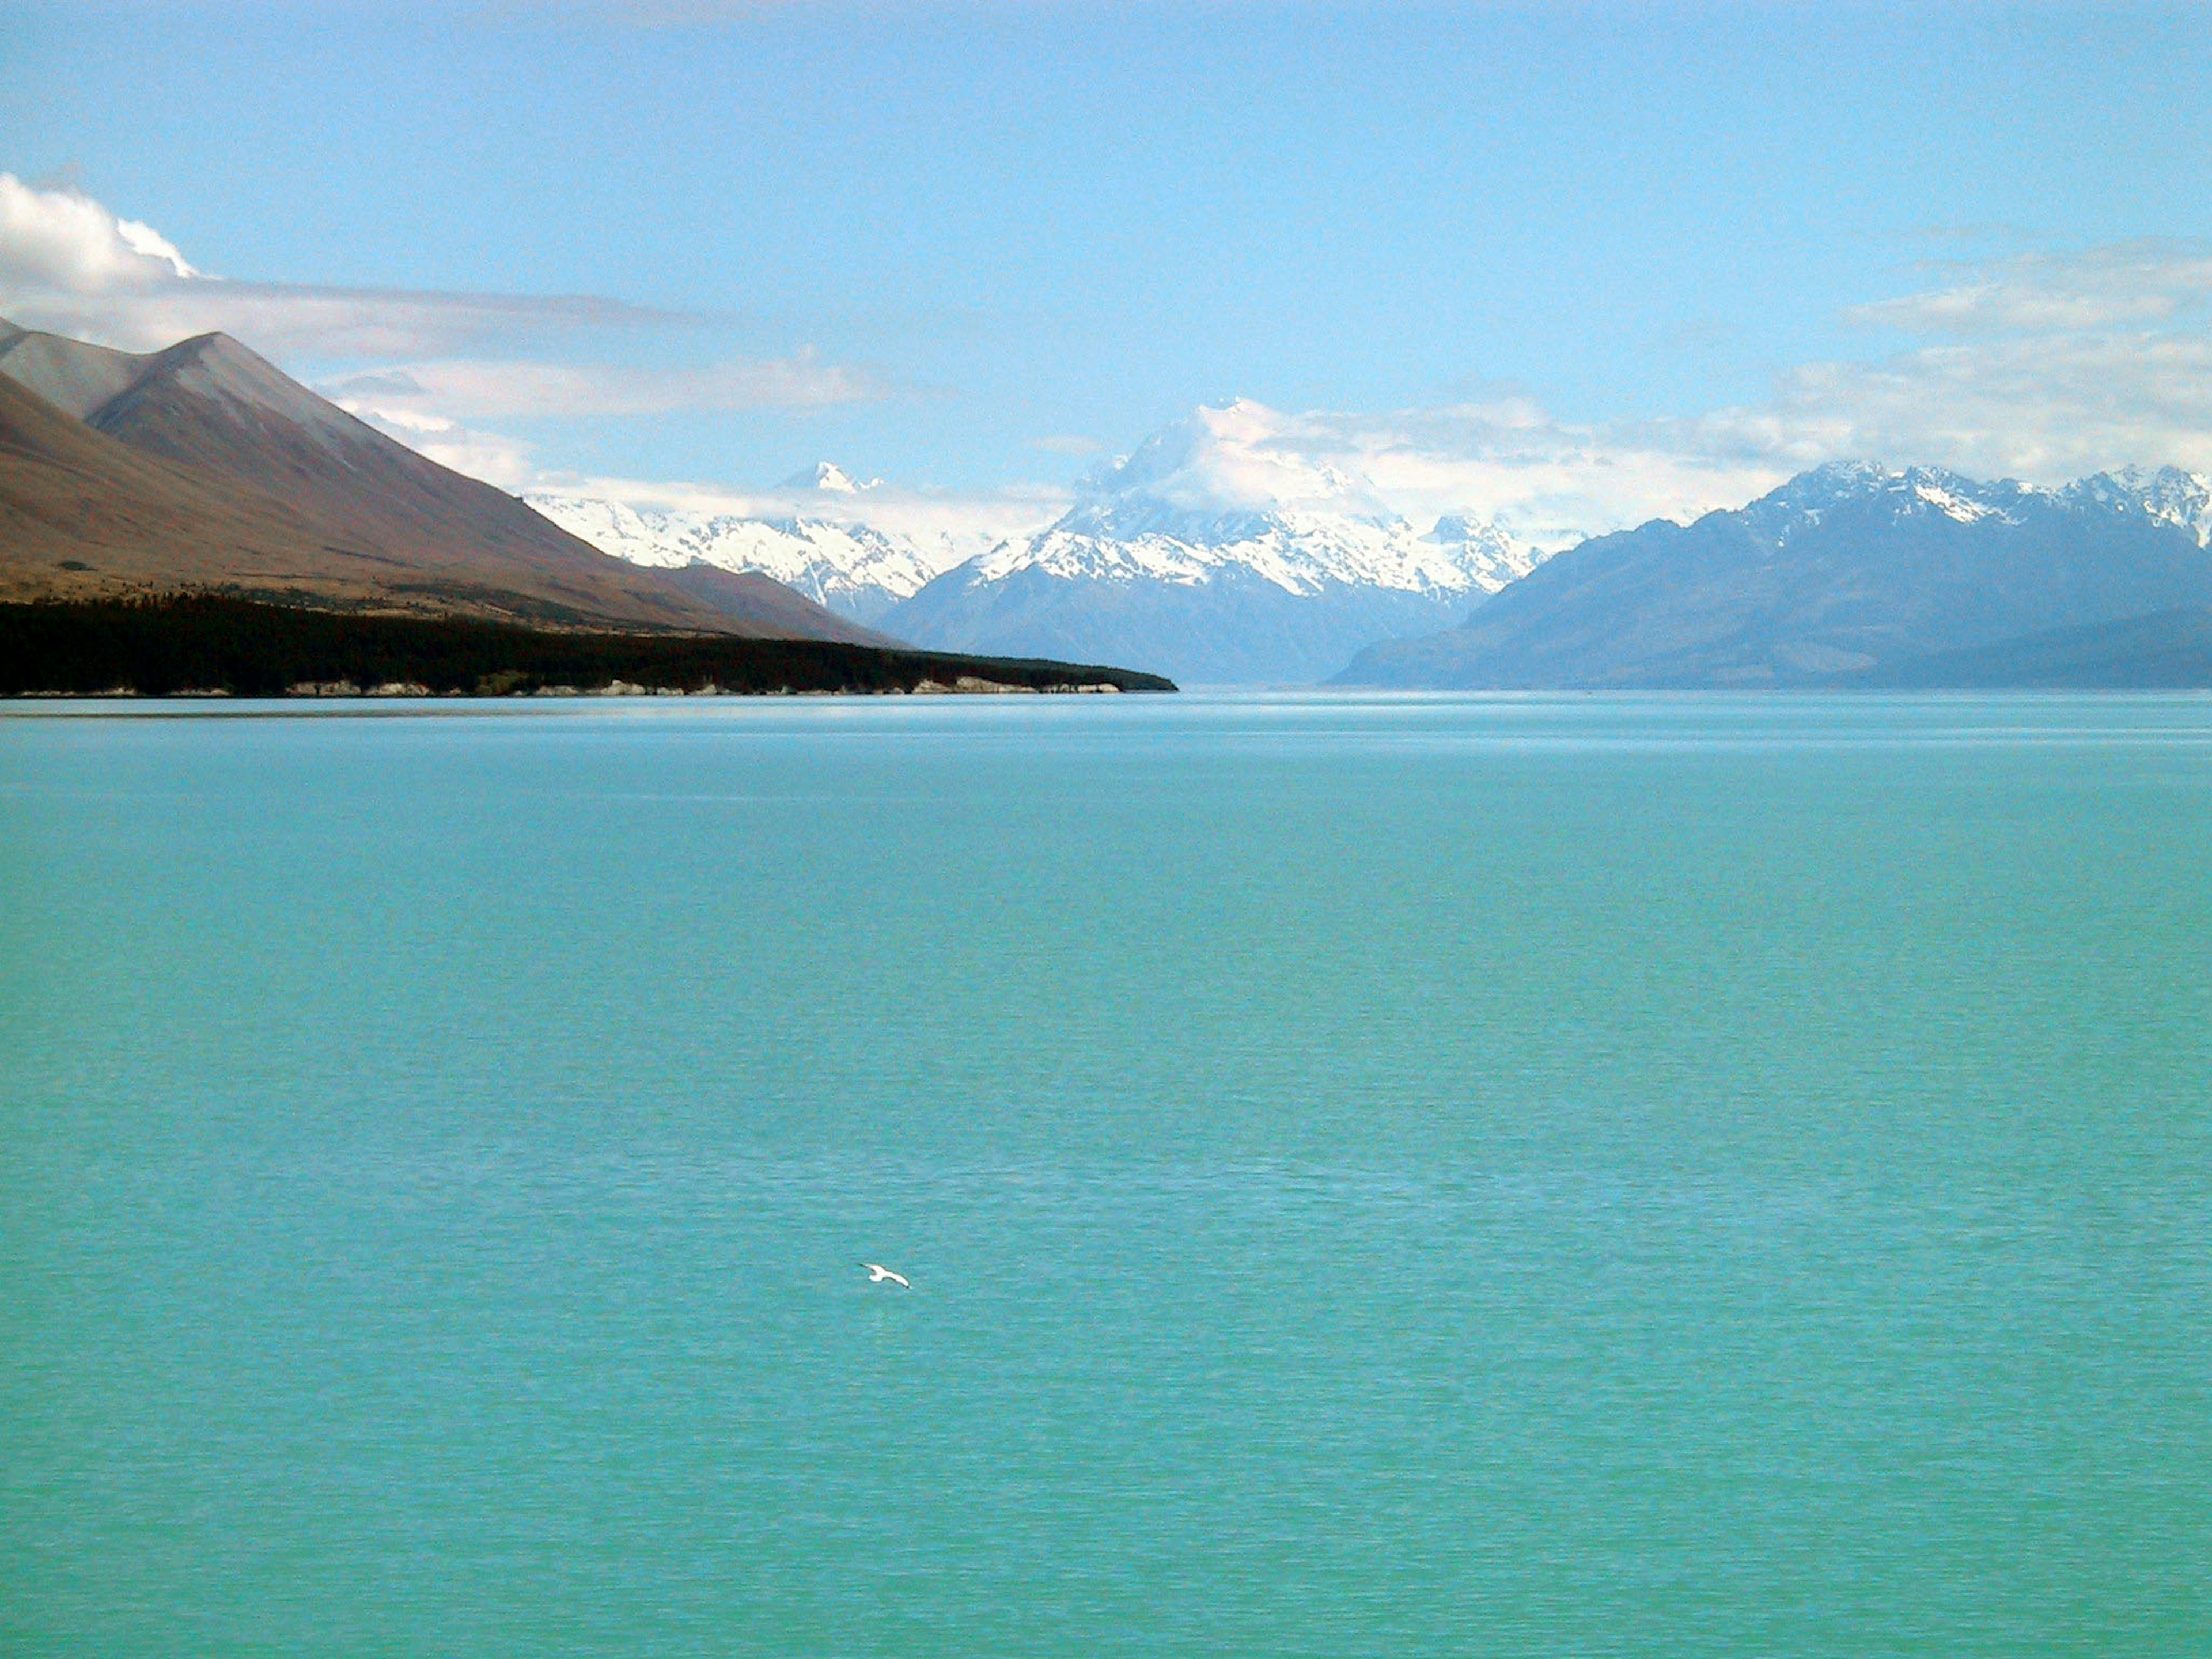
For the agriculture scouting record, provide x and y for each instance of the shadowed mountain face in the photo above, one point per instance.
(1840, 576)
(1235, 626)
(2167, 650)
(203, 467)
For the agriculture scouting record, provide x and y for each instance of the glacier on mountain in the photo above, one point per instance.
(1216, 553)
(854, 568)
(1855, 568)
(2167, 496)
(1221, 551)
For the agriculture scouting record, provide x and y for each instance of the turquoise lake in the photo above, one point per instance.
(1670, 1175)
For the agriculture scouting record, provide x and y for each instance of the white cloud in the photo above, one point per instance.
(2125, 285)
(475, 389)
(2044, 367)
(430, 406)
(509, 463)
(60, 241)
(2070, 366)
(70, 264)
(2043, 408)
(1550, 482)
(974, 518)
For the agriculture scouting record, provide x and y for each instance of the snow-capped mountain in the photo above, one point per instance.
(1215, 553)
(853, 567)
(1807, 500)
(1848, 570)
(2169, 496)
(833, 479)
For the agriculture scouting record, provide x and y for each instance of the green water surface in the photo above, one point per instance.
(1400, 1176)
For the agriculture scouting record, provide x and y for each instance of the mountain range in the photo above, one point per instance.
(1225, 558)
(201, 467)
(1851, 574)
(1211, 553)
(858, 569)
(1214, 552)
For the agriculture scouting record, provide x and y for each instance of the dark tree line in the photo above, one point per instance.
(154, 647)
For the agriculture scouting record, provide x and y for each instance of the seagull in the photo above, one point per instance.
(877, 1274)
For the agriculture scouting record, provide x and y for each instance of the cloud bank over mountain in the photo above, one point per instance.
(2044, 365)
(71, 265)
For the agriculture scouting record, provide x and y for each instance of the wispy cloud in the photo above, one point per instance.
(2042, 366)
(497, 459)
(477, 388)
(1505, 457)
(972, 521)
(433, 407)
(2126, 285)
(70, 264)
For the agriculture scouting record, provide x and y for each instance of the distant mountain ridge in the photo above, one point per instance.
(1222, 557)
(1211, 552)
(202, 467)
(1849, 570)
(856, 569)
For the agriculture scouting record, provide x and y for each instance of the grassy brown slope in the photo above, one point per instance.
(71, 496)
(447, 541)
(210, 470)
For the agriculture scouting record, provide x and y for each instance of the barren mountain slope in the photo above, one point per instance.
(202, 466)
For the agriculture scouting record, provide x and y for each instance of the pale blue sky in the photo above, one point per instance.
(1007, 224)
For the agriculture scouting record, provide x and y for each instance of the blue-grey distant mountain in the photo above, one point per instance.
(2166, 650)
(1849, 572)
(1215, 555)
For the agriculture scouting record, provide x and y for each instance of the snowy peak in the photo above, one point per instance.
(1221, 542)
(1225, 493)
(1218, 475)
(2169, 496)
(828, 478)
(1224, 550)
(856, 569)
(1810, 498)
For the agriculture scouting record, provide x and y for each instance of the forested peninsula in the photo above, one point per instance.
(222, 645)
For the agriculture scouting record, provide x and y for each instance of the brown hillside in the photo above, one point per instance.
(202, 466)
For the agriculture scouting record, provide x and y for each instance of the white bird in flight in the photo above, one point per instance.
(877, 1274)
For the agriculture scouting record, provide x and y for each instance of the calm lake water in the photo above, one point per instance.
(1402, 1177)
